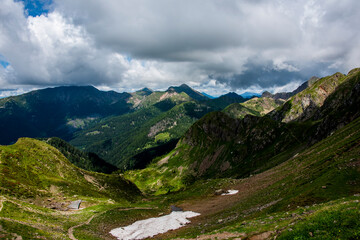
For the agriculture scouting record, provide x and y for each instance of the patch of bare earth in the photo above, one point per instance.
(215, 204)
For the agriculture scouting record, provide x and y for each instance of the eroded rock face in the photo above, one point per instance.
(303, 105)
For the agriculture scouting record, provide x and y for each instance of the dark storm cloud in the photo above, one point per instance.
(261, 76)
(267, 76)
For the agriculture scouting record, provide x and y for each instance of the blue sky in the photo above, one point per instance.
(3, 61)
(36, 7)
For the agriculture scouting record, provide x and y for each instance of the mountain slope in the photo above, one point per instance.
(84, 160)
(255, 106)
(303, 105)
(56, 111)
(34, 169)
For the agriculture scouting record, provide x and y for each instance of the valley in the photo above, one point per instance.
(293, 158)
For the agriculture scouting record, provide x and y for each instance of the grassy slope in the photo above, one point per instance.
(37, 183)
(302, 105)
(255, 106)
(84, 160)
(238, 110)
(32, 169)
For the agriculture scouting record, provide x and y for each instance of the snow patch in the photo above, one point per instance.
(153, 226)
(230, 192)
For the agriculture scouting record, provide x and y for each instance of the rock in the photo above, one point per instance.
(175, 208)
(262, 236)
(75, 205)
(220, 191)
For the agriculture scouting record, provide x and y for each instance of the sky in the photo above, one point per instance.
(213, 46)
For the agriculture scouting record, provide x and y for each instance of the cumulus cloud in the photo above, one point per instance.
(226, 45)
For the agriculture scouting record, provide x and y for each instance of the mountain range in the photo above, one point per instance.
(292, 157)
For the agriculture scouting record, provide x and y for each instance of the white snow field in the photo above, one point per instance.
(153, 226)
(230, 192)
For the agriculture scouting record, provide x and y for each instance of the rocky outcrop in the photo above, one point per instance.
(303, 105)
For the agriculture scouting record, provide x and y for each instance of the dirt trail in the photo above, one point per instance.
(1, 203)
(71, 229)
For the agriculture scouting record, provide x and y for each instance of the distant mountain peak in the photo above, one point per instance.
(188, 90)
(144, 91)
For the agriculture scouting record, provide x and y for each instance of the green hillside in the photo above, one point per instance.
(34, 169)
(57, 111)
(255, 106)
(84, 160)
(303, 105)
(118, 139)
